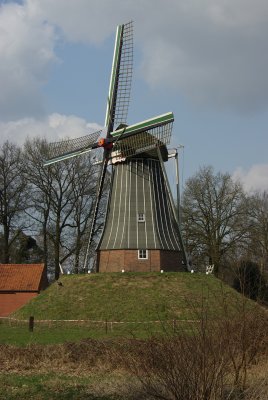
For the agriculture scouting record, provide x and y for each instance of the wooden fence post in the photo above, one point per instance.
(106, 326)
(31, 324)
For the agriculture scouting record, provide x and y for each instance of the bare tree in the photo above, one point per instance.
(13, 201)
(85, 192)
(258, 233)
(62, 198)
(214, 215)
(40, 181)
(83, 187)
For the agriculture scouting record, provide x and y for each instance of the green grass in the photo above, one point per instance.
(124, 297)
(18, 334)
(50, 386)
(133, 300)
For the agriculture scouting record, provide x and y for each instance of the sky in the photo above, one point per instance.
(205, 60)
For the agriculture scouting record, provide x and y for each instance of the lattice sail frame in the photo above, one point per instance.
(64, 149)
(143, 137)
(121, 77)
(144, 141)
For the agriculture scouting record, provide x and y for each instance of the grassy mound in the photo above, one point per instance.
(226, 329)
(132, 297)
(120, 305)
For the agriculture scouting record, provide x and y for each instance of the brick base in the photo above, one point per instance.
(127, 260)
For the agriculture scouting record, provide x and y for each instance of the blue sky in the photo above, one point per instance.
(205, 60)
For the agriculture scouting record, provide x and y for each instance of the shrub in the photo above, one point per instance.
(208, 360)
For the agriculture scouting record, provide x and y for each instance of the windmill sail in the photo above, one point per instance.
(64, 149)
(117, 105)
(121, 76)
(144, 136)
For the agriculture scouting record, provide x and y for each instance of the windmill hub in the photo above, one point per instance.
(106, 143)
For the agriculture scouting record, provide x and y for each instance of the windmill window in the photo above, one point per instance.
(141, 217)
(142, 254)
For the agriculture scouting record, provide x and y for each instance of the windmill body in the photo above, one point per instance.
(141, 233)
(141, 230)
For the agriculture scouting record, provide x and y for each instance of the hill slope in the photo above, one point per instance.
(130, 297)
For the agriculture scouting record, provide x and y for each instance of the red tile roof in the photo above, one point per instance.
(21, 277)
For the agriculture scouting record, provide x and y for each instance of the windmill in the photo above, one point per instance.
(141, 230)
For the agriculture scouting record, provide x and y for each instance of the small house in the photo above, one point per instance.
(18, 284)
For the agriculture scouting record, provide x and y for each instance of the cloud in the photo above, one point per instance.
(213, 52)
(53, 127)
(27, 54)
(79, 20)
(254, 179)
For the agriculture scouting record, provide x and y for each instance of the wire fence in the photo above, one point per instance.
(58, 330)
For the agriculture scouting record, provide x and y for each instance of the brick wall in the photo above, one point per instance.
(10, 302)
(117, 260)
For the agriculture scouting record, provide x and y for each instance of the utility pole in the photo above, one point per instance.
(175, 155)
(177, 214)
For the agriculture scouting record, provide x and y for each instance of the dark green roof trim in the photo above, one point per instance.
(145, 125)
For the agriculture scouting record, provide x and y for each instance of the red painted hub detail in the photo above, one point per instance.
(102, 142)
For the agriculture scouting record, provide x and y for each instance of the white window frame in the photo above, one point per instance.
(143, 254)
(141, 217)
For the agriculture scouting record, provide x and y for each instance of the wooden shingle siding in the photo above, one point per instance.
(139, 187)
